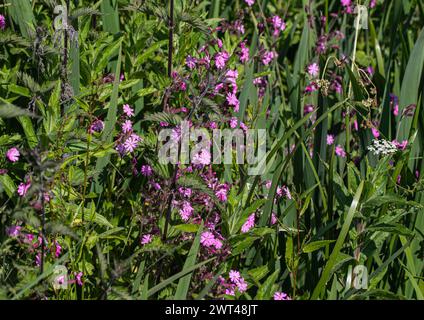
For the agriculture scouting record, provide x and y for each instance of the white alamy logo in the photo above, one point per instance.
(358, 278)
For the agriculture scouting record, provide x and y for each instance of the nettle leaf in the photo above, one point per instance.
(170, 118)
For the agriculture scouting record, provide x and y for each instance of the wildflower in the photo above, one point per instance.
(241, 285)
(284, 191)
(281, 296)
(155, 185)
(330, 139)
(185, 192)
(382, 147)
(191, 62)
(232, 76)
(58, 249)
(128, 110)
(96, 126)
(207, 239)
(375, 132)
(146, 170)
(221, 193)
(13, 231)
(346, 3)
(244, 52)
(233, 101)
(400, 145)
(278, 25)
(23, 188)
(147, 238)
(221, 59)
(233, 122)
(249, 2)
(186, 211)
(230, 292)
(340, 151)
(234, 276)
(268, 184)
(313, 70)
(267, 57)
(274, 219)
(78, 277)
(249, 224)
(131, 143)
(2, 22)
(12, 154)
(127, 126)
(217, 244)
(202, 158)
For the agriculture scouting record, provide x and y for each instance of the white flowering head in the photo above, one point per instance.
(382, 147)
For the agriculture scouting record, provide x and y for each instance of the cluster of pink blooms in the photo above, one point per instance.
(208, 240)
(236, 283)
(127, 141)
(34, 242)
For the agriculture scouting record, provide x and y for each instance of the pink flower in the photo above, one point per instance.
(127, 126)
(400, 145)
(330, 139)
(131, 143)
(78, 277)
(284, 191)
(249, 2)
(186, 211)
(96, 126)
(375, 132)
(267, 57)
(221, 59)
(234, 276)
(146, 170)
(221, 193)
(202, 158)
(185, 192)
(278, 25)
(191, 62)
(23, 188)
(346, 3)
(128, 110)
(396, 110)
(230, 292)
(233, 122)
(12, 154)
(244, 53)
(147, 238)
(242, 285)
(281, 296)
(313, 70)
(2, 22)
(274, 219)
(233, 101)
(58, 249)
(249, 224)
(13, 231)
(207, 239)
(340, 151)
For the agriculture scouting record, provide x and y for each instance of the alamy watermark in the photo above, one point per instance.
(357, 278)
(188, 145)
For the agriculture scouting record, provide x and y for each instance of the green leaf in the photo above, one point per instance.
(313, 246)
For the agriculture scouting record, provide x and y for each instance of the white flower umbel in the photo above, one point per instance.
(382, 147)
